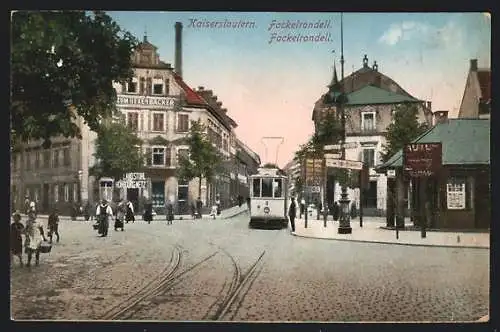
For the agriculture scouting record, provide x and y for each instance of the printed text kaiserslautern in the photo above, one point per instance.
(225, 24)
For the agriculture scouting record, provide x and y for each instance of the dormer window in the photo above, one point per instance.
(158, 86)
(132, 86)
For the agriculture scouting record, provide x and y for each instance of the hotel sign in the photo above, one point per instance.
(422, 159)
(149, 101)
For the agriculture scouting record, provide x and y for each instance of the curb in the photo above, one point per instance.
(395, 243)
(234, 215)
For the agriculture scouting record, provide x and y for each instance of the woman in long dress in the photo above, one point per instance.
(34, 238)
(16, 239)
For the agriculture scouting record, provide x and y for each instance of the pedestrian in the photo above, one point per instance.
(336, 211)
(248, 203)
(16, 239)
(213, 211)
(103, 213)
(53, 225)
(130, 212)
(240, 200)
(302, 207)
(169, 211)
(292, 212)
(199, 205)
(193, 210)
(319, 209)
(218, 204)
(121, 211)
(34, 236)
(26, 204)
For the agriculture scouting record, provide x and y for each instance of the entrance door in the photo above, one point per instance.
(370, 197)
(45, 197)
(133, 196)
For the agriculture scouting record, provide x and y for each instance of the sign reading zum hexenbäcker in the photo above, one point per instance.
(422, 159)
(150, 101)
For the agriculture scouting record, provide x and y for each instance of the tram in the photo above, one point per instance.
(268, 198)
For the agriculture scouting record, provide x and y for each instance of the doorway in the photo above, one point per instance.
(45, 197)
(370, 196)
(133, 196)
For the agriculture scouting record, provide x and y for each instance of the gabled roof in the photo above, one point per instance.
(193, 99)
(484, 78)
(465, 142)
(371, 94)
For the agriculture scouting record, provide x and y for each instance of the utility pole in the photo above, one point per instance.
(344, 224)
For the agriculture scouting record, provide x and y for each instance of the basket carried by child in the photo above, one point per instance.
(45, 247)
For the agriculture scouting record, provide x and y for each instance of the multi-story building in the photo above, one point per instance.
(159, 106)
(293, 172)
(372, 99)
(476, 100)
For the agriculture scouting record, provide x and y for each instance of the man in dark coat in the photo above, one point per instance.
(292, 212)
(199, 205)
(169, 211)
(53, 225)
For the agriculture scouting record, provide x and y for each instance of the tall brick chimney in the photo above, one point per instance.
(473, 64)
(178, 48)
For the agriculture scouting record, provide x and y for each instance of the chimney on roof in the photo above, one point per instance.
(224, 110)
(219, 104)
(429, 105)
(473, 64)
(178, 48)
(201, 88)
(440, 117)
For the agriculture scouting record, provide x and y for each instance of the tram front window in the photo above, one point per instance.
(277, 186)
(267, 188)
(256, 187)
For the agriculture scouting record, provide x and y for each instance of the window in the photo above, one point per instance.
(182, 152)
(167, 83)
(56, 193)
(66, 192)
(158, 193)
(267, 187)
(158, 122)
(133, 120)
(28, 161)
(46, 158)
(277, 188)
(75, 192)
(168, 157)
(158, 156)
(37, 194)
(182, 191)
(256, 187)
(182, 123)
(37, 159)
(368, 121)
(66, 157)
(157, 86)
(225, 145)
(55, 158)
(132, 86)
(369, 157)
(455, 194)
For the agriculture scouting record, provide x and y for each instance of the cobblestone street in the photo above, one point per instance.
(222, 270)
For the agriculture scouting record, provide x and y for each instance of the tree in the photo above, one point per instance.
(203, 161)
(115, 152)
(63, 64)
(403, 130)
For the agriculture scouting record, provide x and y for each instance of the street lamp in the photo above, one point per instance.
(344, 223)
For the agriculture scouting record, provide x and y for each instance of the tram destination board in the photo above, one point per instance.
(422, 159)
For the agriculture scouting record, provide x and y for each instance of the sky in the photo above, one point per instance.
(269, 81)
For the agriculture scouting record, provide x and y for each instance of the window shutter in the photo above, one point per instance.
(149, 156)
(149, 86)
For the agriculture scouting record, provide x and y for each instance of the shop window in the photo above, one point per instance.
(75, 192)
(66, 192)
(28, 161)
(182, 192)
(66, 157)
(37, 159)
(46, 158)
(158, 193)
(55, 158)
(56, 193)
(456, 193)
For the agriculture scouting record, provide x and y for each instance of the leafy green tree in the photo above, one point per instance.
(63, 64)
(403, 130)
(203, 161)
(115, 151)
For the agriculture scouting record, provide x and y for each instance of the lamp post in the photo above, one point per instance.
(344, 222)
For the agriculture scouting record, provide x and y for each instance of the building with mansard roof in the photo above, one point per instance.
(372, 99)
(158, 105)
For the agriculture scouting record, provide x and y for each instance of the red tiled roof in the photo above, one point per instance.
(192, 97)
(484, 77)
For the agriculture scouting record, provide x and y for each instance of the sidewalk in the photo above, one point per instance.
(372, 231)
(225, 214)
